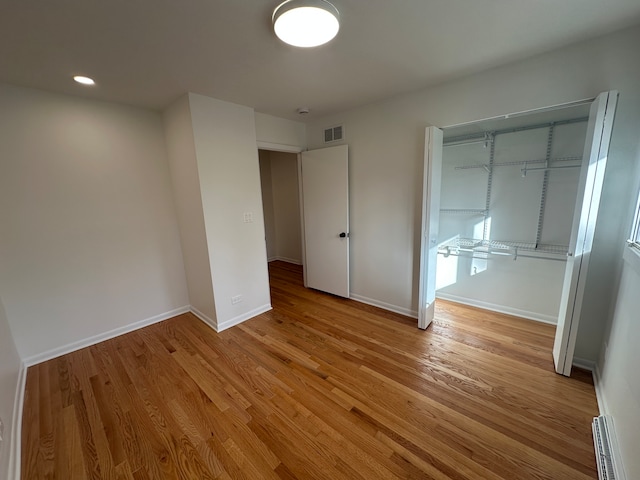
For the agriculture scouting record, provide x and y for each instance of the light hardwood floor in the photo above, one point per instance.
(318, 388)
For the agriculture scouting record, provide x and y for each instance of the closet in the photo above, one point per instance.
(508, 195)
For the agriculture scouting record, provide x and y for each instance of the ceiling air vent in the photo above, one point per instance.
(334, 134)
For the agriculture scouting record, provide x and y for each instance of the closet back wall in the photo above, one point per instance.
(513, 284)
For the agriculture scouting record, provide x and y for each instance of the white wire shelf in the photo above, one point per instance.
(463, 211)
(548, 162)
(484, 248)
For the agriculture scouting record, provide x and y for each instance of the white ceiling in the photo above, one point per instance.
(149, 52)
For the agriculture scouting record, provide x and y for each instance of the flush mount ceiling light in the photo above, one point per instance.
(84, 80)
(306, 23)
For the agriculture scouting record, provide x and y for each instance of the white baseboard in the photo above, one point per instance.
(386, 306)
(603, 408)
(219, 327)
(597, 383)
(206, 319)
(285, 259)
(244, 317)
(87, 342)
(15, 442)
(16, 422)
(584, 364)
(539, 317)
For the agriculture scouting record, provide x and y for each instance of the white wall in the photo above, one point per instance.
(386, 142)
(273, 132)
(9, 370)
(619, 383)
(286, 206)
(267, 203)
(89, 238)
(227, 157)
(186, 190)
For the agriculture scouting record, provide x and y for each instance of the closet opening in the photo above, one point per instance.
(510, 207)
(508, 194)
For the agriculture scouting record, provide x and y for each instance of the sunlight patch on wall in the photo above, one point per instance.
(447, 267)
(479, 262)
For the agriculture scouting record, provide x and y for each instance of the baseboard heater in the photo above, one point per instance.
(605, 446)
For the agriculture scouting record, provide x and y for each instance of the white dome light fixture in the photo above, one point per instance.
(84, 80)
(306, 23)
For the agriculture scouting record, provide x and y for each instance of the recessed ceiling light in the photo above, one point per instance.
(306, 23)
(84, 80)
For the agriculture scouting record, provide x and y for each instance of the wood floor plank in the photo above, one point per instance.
(320, 387)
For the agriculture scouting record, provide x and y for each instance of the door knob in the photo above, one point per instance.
(343, 235)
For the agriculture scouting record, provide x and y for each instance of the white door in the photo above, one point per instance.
(325, 204)
(431, 185)
(584, 221)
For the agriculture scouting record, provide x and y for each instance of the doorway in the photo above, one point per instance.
(305, 199)
(506, 209)
(281, 205)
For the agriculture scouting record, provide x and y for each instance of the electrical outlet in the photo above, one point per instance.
(236, 299)
(248, 217)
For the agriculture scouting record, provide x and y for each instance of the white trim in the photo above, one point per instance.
(597, 383)
(585, 364)
(201, 316)
(385, 306)
(303, 241)
(618, 465)
(241, 318)
(219, 327)
(15, 445)
(279, 147)
(285, 259)
(101, 337)
(538, 317)
(575, 103)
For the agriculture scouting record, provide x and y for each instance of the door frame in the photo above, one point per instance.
(281, 147)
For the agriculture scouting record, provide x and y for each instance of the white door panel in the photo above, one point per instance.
(325, 195)
(584, 221)
(430, 222)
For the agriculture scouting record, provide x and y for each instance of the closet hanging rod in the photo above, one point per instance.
(487, 139)
(457, 144)
(487, 256)
(481, 135)
(504, 245)
(520, 162)
(525, 169)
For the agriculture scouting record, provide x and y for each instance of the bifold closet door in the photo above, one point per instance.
(431, 186)
(584, 222)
